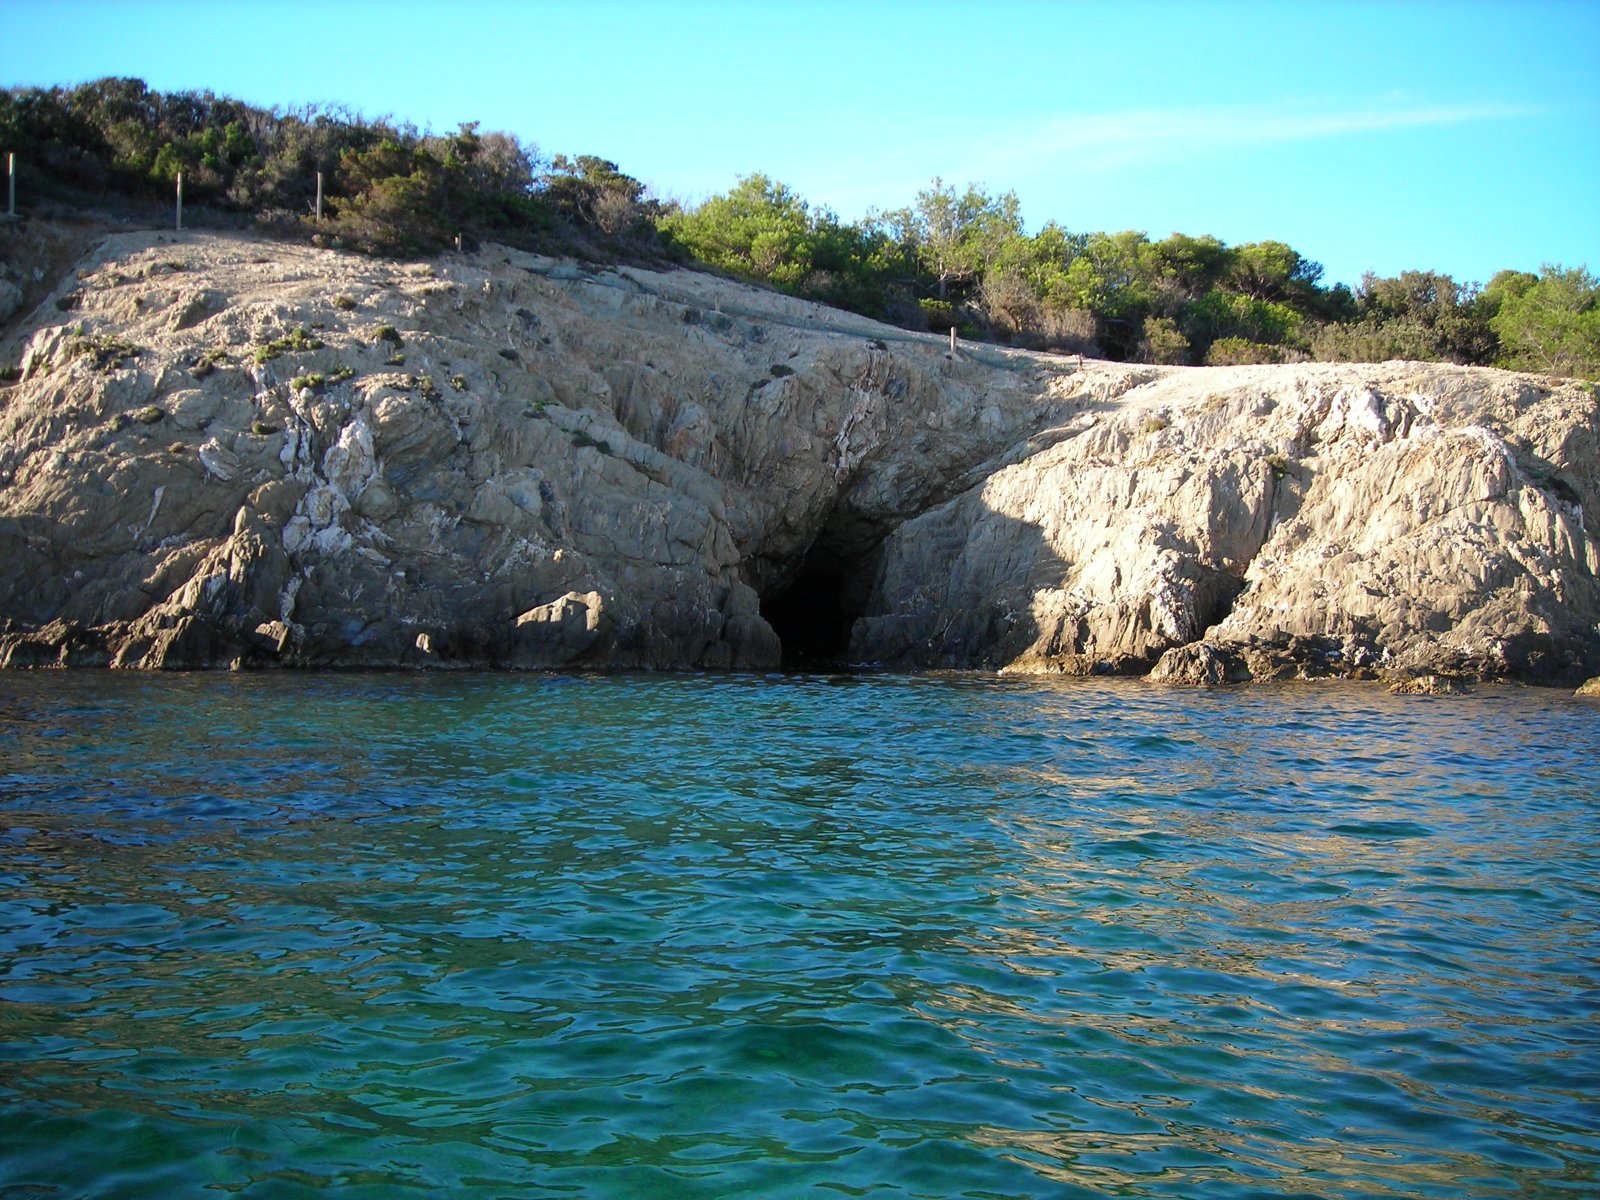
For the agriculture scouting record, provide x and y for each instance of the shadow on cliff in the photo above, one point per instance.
(845, 612)
(837, 580)
(965, 586)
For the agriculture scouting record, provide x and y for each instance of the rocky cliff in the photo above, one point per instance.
(221, 451)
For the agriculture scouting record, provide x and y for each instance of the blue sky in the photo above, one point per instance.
(1462, 137)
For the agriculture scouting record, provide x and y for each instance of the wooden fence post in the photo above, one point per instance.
(180, 200)
(11, 185)
(319, 195)
(952, 339)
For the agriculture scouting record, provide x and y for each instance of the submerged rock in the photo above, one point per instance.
(1429, 685)
(497, 459)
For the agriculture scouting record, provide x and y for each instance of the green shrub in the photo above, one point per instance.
(149, 414)
(940, 315)
(312, 380)
(298, 341)
(1164, 342)
(104, 351)
(1235, 351)
(388, 333)
(344, 303)
(1551, 324)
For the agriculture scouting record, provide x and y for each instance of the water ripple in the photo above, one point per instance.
(485, 936)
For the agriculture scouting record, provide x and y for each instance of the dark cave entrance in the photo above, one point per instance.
(812, 616)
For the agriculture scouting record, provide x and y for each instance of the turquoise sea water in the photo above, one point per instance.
(505, 936)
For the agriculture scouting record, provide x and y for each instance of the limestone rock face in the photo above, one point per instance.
(1263, 522)
(566, 630)
(224, 451)
(229, 451)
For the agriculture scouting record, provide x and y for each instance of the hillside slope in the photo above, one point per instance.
(227, 451)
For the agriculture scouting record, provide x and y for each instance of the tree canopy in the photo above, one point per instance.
(1549, 323)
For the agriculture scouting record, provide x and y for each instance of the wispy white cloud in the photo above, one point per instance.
(890, 164)
(1106, 141)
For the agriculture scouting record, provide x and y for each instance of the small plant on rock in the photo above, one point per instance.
(104, 351)
(296, 342)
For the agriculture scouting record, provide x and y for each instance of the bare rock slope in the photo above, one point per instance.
(228, 451)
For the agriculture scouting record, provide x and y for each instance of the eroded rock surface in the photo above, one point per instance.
(225, 450)
(1263, 522)
(228, 451)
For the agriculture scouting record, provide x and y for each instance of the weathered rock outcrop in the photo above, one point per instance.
(228, 451)
(1259, 522)
(224, 450)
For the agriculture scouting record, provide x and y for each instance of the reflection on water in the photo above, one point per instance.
(489, 935)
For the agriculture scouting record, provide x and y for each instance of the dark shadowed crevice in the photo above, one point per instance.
(812, 615)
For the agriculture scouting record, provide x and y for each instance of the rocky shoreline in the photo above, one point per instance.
(219, 451)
